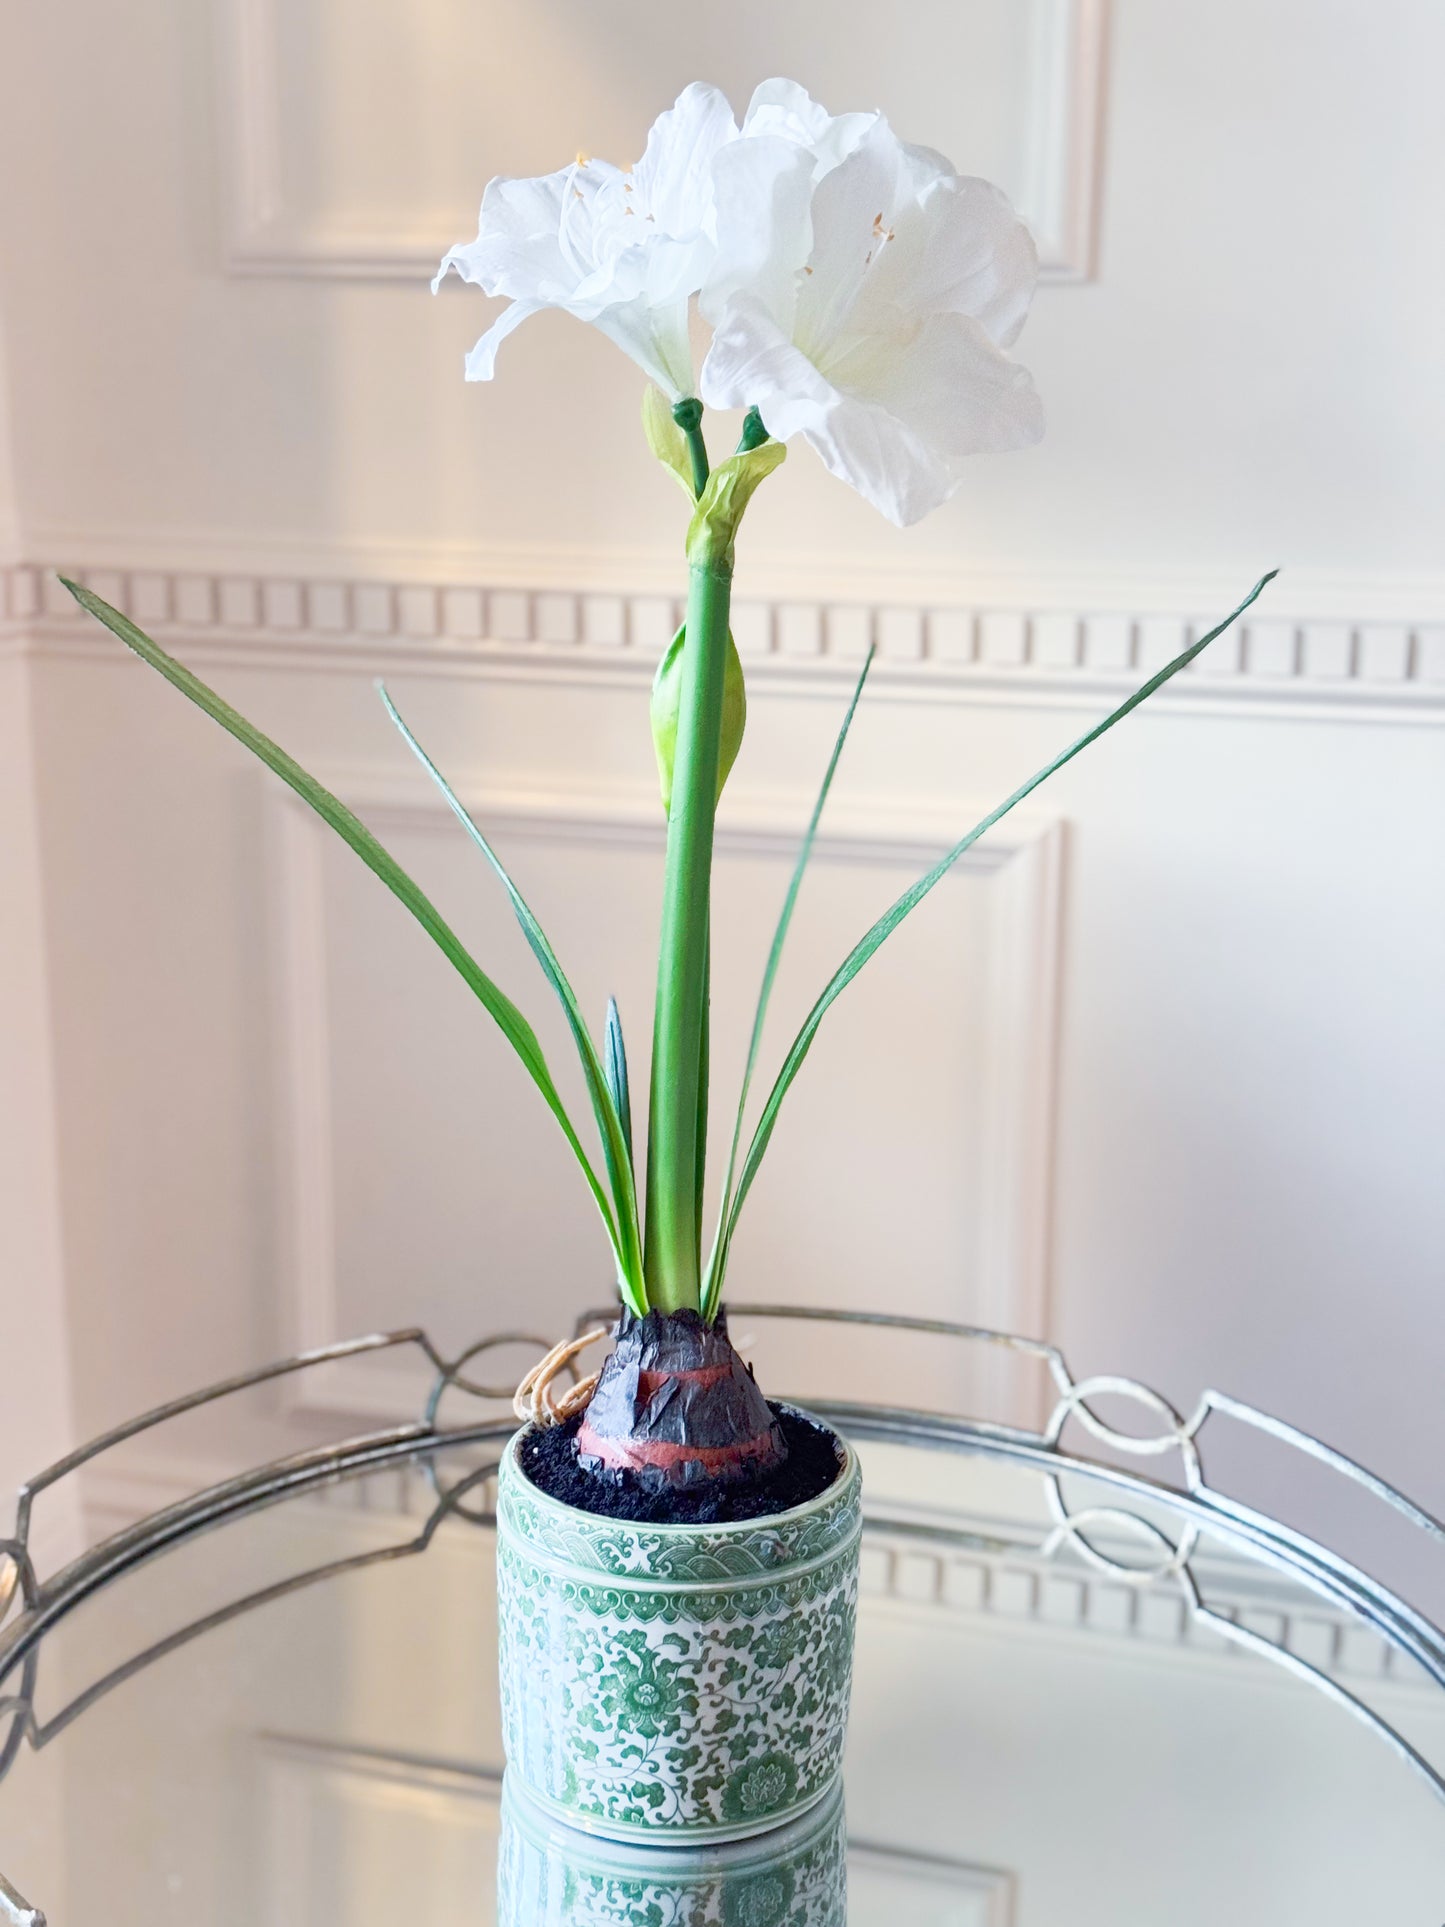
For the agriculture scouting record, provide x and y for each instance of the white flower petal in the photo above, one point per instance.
(786, 111)
(751, 360)
(673, 180)
(891, 418)
(481, 360)
(622, 251)
(949, 385)
(520, 247)
(877, 454)
(924, 165)
(656, 338)
(753, 363)
(884, 350)
(976, 258)
(763, 190)
(853, 208)
(784, 107)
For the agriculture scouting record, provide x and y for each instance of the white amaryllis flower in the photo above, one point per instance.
(783, 108)
(863, 299)
(624, 250)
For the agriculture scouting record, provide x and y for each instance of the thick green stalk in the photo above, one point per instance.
(671, 1264)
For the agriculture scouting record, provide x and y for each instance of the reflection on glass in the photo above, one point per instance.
(553, 1876)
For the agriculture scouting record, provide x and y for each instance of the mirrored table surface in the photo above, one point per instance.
(1134, 1717)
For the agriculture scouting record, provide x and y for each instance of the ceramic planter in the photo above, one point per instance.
(674, 1683)
(551, 1876)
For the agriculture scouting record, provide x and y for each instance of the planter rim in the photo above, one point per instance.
(681, 1529)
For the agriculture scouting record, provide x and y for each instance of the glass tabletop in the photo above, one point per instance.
(1050, 1723)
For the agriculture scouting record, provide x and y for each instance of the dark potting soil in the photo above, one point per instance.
(550, 1461)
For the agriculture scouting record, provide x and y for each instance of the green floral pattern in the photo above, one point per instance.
(794, 1878)
(645, 1704)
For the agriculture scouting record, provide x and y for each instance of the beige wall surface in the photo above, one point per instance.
(9, 503)
(1157, 1075)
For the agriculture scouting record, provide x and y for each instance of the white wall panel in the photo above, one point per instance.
(1010, 91)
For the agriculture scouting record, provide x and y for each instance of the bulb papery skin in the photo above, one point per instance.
(863, 295)
(623, 249)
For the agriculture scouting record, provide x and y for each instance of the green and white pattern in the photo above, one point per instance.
(552, 1876)
(676, 1682)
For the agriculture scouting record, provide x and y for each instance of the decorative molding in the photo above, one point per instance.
(1009, 1288)
(1369, 668)
(1066, 136)
(268, 235)
(898, 574)
(1020, 1590)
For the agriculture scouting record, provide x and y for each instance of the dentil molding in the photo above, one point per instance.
(1376, 669)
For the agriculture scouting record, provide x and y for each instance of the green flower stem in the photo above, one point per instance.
(672, 1262)
(754, 432)
(688, 416)
(697, 455)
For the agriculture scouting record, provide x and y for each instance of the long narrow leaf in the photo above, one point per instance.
(891, 918)
(717, 1262)
(614, 1062)
(510, 1021)
(609, 1124)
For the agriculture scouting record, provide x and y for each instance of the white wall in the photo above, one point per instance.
(9, 502)
(38, 1425)
(1160, 1079)
(38, 1422)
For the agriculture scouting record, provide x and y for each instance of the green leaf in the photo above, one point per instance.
(717, 1263)
(666, 703)
(510, 1021)
(730, 487)
(874, 938)
(666, 440)
(615, 1147)
(614, 1063)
